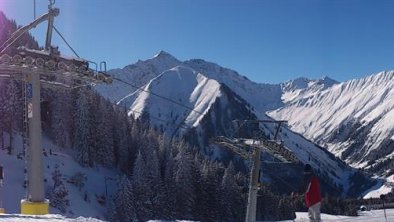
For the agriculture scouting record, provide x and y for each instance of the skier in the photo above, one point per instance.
(311, 190)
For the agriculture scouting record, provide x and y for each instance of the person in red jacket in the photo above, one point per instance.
(311, 190)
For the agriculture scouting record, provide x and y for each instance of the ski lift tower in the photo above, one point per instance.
(36, 69)
(251, 149)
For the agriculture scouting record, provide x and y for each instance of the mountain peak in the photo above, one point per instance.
(304, 83)
(327, 80)
(163, 54)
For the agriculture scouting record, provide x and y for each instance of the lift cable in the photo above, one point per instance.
(65, 41)
(159, 96)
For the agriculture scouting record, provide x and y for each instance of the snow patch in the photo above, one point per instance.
(13, 191)
(43, 218)
(192, 93)
(383, 187)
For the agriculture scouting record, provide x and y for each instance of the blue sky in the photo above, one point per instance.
(268, 41)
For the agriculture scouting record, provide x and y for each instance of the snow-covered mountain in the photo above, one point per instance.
(264, 96)
(206, 98)
(138, 74)
(354, 119)
(294, 89)
(184, 86)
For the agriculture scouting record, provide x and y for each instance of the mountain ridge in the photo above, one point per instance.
(351, 118)
(220, 109)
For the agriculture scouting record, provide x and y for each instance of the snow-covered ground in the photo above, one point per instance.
(13, 191)
(366, 216)
(43, 218)
(383, 187)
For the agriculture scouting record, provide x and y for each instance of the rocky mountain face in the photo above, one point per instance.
(199, 101)
(352, 119)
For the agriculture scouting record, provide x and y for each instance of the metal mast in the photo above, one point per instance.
(36, 191)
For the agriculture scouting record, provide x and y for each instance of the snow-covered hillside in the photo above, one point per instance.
(182, 85)
(13, 191)
(138, 74)
(206, 98)
(294, 89)
(353, 119)
(263, 96)
(384, 186)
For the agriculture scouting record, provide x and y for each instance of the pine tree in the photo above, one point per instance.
(154, 185)
(211, 198)
(59, 192)
(105, 140)
(229, 194)
(82, 128)
(140, 189)
(123, 202)
(185, 195)
(169, 200)
(61, 114)
(122, 138)
(13, 110)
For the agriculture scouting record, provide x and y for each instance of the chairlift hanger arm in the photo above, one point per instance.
(222, 141)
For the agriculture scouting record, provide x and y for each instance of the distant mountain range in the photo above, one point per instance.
(207, 98)
(353, 119)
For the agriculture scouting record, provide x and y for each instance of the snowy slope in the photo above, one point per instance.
(13, 191)
(210, 97)
(182, 85)
(138, 74)
(383, 187)
(366, 216)
(294, 89)
(354, 118)
(263, 96)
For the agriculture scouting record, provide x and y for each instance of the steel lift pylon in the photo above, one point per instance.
(36, 69)
(251, 149)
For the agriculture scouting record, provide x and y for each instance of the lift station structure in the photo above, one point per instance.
(36, 69)
(251, 149)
